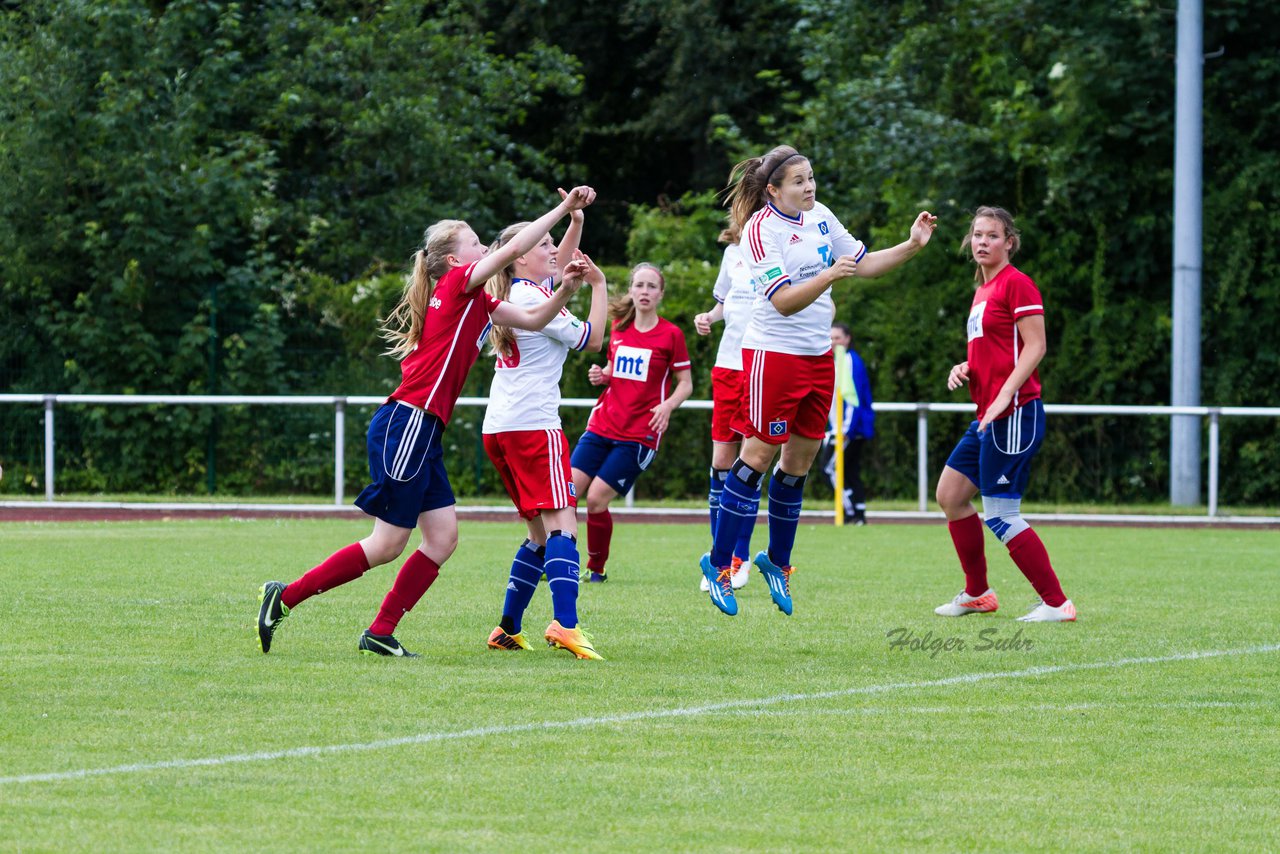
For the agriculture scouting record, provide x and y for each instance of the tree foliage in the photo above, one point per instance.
(201, 196)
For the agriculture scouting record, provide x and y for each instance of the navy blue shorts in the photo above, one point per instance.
(615, 462)
(406, 465)
(998, 460)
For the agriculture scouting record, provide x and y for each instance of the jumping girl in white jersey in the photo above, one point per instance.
(797, 250)
(734, 293)
(437, 329)
(524, 441)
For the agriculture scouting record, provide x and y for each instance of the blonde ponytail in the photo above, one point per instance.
(403, 326)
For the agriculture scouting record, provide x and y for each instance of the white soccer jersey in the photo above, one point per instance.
(785, 251)
(526, 385)
(736, 289)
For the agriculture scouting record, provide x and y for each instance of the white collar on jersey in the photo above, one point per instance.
(547, 283)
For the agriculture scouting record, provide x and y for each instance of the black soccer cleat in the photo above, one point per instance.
(371, 644)
(270, 612)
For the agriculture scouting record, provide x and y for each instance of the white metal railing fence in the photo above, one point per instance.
(340, 403)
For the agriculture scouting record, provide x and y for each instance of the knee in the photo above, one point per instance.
(440, 545)
(1004, 517)
(384, 548)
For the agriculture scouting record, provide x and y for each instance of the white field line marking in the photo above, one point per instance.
(993, 710)
(656, 714)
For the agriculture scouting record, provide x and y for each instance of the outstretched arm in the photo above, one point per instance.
(533, 319)
(883, 260)
(528, 237)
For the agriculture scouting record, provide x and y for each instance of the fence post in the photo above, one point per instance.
(922, 453)
(339, 446)
(48, 446)
(1213, 462)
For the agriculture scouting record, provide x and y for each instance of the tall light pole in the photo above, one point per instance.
(1184, 450)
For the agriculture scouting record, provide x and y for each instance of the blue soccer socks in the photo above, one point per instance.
(562, 569)
(526, 572)
(740, 500)
(786, 498)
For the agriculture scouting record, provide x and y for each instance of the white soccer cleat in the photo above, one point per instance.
(741, 573)
(1042, 613)
(965, 604)
(705, 586)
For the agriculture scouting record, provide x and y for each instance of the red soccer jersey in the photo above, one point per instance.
(454, 329)
(994, 343)
(642, 366)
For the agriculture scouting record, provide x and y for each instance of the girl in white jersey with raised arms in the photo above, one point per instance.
(525, 442)
(797, 250)
(734, 293)
(437, 331)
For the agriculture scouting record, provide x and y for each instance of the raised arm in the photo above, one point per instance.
(883, 260)
(572, 236)
(533, 319)
(528, 237)
(598, 315)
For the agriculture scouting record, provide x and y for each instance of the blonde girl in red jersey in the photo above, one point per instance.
(437, 331)
(647, 377)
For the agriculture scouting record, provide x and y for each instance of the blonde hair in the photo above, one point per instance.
(499, 286)
(1010, 231)
(403, 326)
(622, 311)
(749, 182)
(732, 233)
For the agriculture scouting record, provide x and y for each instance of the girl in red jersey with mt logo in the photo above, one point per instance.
(1006, 343)
(646, 379)
(437, 331)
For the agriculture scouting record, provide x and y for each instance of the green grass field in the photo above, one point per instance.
(137, 713)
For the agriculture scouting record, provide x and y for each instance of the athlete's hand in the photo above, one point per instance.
(996, 408)
(573, 274)
(661, 418)
(959, 376)
(594, 275)
(702, 323)
(922, 229)
(842, 268)
(597, 376)
(574, 215)
(578, 198)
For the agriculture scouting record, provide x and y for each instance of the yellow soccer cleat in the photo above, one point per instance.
(574, 640)
(501, 640)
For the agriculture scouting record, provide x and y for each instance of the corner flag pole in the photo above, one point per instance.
(839, 449)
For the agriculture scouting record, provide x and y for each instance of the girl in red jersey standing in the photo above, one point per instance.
(797, 250)
(525, 442)
(1006, 344)
(437, 331)
(646, 379)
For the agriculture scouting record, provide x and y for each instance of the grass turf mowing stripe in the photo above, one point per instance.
(686, 711)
